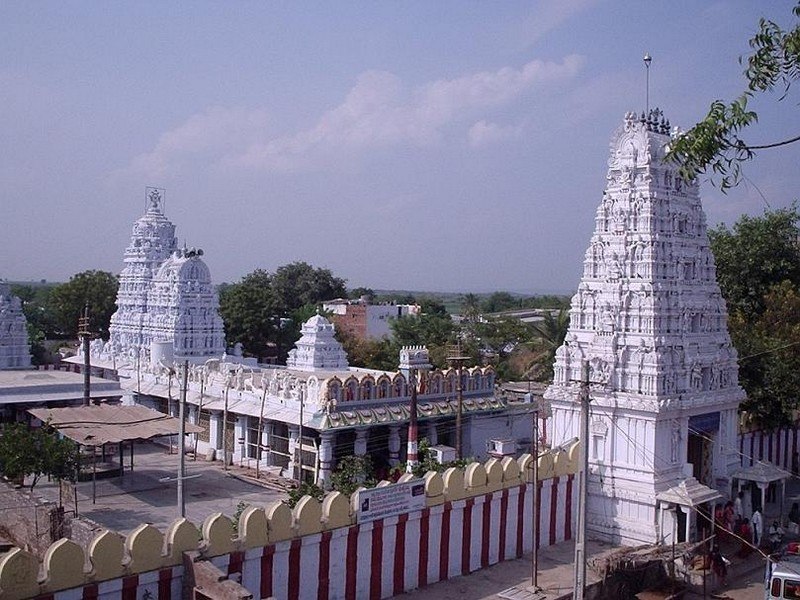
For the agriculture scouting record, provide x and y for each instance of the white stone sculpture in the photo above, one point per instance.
(165, 294)
(649, 320)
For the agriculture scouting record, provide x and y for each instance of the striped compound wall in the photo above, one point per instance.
(776, 447)
(394, 555)
(472, 518)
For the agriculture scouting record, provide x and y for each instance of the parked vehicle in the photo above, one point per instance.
(782, 577)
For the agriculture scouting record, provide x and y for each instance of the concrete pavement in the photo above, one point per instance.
(140, 496)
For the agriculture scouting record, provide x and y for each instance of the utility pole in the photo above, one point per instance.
(457, 359)
(181, 438)
(535, 499)
(85, 334)
(412, 458)
(300, 436)
(225, 425)
(583, 480)
(261, 425)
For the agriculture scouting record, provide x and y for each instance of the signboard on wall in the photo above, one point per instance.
(391, 500)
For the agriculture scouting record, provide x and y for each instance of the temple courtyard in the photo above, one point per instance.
(148, 493)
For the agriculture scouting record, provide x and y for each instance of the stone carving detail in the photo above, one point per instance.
(165, 295)
(14, 352)
(649, 320)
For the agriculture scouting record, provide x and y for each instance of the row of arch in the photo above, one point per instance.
(433, 383)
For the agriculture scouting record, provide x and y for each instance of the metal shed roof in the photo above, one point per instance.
(106, 423)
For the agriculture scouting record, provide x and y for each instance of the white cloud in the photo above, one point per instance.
(483, 133)
(548, 15)
(210, 134)
(378, 112)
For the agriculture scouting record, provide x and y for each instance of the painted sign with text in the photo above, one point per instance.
(391, 500)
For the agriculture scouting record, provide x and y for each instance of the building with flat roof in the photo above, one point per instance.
(366, 321)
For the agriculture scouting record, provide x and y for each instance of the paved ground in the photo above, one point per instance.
(556, 577)
(140, 496)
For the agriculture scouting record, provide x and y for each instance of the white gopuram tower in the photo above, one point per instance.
(649, 320)
(183, 308)
(165, 296)
(152, 242)
(14, 349)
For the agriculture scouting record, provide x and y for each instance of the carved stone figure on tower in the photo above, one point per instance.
(645, 317)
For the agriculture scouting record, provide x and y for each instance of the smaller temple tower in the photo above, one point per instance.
(317, 348)
(14, 348)
(182, 307)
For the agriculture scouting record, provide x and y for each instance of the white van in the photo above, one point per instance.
(783, 578)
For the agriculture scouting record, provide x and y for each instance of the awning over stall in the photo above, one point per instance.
(104, 424)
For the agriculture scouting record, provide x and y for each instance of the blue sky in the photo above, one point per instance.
(452, 146)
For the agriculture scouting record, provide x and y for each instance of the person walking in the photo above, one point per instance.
(758, 527)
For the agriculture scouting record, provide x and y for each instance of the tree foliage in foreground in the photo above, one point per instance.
(35, 452)
(758, 269)
(716, 142)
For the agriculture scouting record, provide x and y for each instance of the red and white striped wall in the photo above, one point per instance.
(776, 447)
(379, 559)
(394, 555)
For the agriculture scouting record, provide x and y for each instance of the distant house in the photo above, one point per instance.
(366, 321)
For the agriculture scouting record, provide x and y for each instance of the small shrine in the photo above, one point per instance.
(317, 348)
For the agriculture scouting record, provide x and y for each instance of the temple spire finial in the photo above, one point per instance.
(647, 60)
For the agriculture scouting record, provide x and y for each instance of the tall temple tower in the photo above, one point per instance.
(14, 348)
(165, 295)
(649, 320)
(152, 242)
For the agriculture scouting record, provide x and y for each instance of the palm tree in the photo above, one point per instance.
(549, 334)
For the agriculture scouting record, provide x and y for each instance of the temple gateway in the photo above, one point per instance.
(649, 325)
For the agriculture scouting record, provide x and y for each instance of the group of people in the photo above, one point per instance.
(735, 520)
(731, 521)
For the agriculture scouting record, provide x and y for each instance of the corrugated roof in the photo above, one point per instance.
(97, 425)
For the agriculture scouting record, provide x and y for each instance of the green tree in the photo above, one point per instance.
(471, 308)
(756, 254)
(499, 301)
(35, 452)
(716, 142)
(382, 354)
(249, 310)
(758, 269)
(297, 284)
(434, 330)
(66, 303)
(264, 311)
(351, 473)
(549, 334)
(304, 489)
